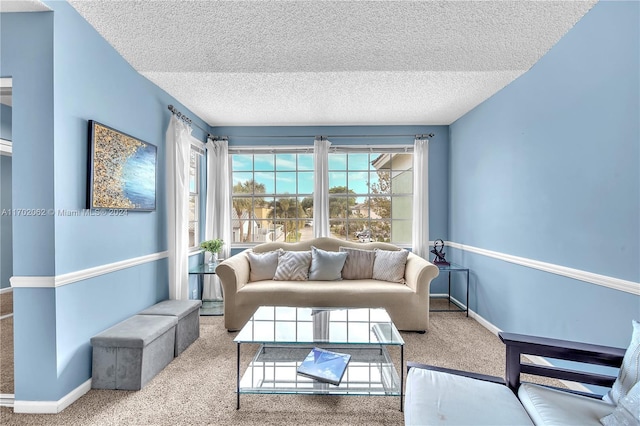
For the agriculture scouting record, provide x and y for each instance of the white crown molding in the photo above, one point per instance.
(51, 407)
(576, 274)
(84, 274)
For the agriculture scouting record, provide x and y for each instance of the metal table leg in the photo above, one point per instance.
(238, 379)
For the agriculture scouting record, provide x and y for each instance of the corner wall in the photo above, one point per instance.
(548, 169)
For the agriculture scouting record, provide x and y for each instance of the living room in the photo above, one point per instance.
(536, 190)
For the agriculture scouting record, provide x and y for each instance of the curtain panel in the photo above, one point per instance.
(420, 228)
(321, 187)
(218, 211)
(178, 142)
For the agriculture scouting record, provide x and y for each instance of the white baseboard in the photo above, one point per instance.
(6, 290)
(6, 316)
(6, 400)
(51, 407)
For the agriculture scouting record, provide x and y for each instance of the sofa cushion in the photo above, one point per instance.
(436, 398)
(629, 373)
(628, 410)
(293, 266)
(548, 406)
(326, 265)
(263, 265)
(389, 265)
(359, 264)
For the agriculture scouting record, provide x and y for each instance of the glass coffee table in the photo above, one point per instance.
(287, 334)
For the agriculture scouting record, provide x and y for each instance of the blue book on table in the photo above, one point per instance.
(325, 366)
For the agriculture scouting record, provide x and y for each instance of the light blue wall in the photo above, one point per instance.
(5, 122)
(6, 234)
(547, 169)
(53, 325)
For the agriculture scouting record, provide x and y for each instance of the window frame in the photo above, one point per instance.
(198, 195)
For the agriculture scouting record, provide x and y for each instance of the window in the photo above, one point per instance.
(371, 195)
(272, 196)
(195, 161)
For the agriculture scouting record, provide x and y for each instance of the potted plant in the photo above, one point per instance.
(214, 247)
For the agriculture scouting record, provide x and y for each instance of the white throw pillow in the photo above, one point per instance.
(627, 412)
(629, 371)
(263, 265)
(326, 265)
(293, 266)
(389, 265)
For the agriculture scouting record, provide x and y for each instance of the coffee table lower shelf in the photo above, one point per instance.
(273, 370)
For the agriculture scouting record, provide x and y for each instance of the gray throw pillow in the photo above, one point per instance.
(359, 264)
(326, 265)
(389, 265)
(627, 411)
(293, 266)
(263, 265)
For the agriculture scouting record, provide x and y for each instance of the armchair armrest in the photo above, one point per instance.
(469, 374)
(518, 344)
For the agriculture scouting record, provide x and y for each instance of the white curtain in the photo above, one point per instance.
(178, 141)
(218, 219)
(420, 231)
(321, 187)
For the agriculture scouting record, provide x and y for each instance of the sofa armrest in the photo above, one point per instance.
(419, 273)
(469, 374)
(234, 273)
(518, 344)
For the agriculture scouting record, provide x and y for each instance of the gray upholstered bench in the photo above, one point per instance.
(129, 354)
(188, 314)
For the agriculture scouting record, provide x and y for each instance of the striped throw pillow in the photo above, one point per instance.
(359, 264)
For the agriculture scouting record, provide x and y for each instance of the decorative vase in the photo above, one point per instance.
(213, 259)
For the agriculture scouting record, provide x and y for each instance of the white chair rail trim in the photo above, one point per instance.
(576, 274)
(84, 274)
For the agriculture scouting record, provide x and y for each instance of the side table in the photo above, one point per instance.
(209, 307)
(453, 267)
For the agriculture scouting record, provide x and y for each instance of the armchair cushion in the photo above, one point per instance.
(435, 398)
(628, 410)
(629, 373)
(548, 406)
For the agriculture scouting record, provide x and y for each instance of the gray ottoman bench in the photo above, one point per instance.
(188, 314)
(129, 354)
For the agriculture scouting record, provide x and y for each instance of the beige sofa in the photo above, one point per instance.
(407, 304)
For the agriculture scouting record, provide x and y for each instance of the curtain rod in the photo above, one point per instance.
(424, 136)
(187, 120)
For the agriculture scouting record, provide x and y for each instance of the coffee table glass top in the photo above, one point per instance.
(290, 325)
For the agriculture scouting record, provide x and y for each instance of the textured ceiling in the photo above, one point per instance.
(331, 62)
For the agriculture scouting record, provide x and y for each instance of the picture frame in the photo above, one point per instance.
(122, 170)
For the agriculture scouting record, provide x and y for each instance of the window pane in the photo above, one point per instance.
(239, 180)
(359, 231)
(193, 232)
(337, 228)
(242, 162)
(266, 180)
(381, 207)
(402, 161)
(338, 206)
(381, 230)
(193, 208)
(401, 231)
(358, 161)
(305, 182)
(402, 182)
(402, 207)
(264, 162)
(358, 182)
(380, 182)
(305, 161)
(337, 179)
(286, 162)
(285, 183)
(380, 161)
(337, 161)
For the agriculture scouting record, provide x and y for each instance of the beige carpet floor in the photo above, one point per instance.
(198, 387)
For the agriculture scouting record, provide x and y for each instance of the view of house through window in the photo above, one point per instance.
(370, 196)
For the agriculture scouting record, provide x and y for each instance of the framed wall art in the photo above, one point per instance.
(122, 170)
